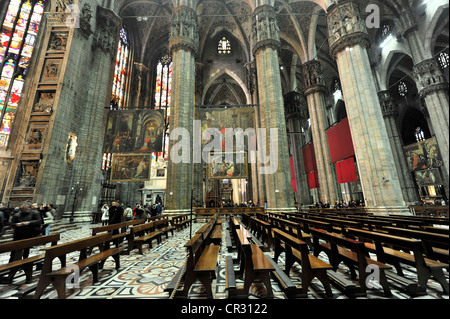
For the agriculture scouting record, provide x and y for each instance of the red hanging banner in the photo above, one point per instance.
(313, 180)
(309, 158)
(346, 171)
(340, 141)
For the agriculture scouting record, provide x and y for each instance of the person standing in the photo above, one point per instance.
(128, 213)
(49, 219)
(115, 213)
(159, 209)
(140, 213)
(105, 215)
(26, 224)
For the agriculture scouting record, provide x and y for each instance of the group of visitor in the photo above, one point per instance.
(118, 213)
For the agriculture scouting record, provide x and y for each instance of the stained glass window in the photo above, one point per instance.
(163, 94)
(118, 99)
(224, 46)
(18, 34)
(443, 60)
(385, 30)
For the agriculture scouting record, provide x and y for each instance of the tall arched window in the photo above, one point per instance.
(443, 60)
(163, 94)
(19, 31)
(118, 100)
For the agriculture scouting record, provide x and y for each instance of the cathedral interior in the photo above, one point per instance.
(283, 105)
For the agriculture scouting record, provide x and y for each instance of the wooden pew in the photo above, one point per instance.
(201, 261)
(119, 231)
(262, 230)
(354, 255)
(429, 221)
(141, 234)
(290, 227)
(164, 226)
(16, 248)
(426, 268)
(436, 246)
(370, 223)
(307, 223)
(181, 221)
(339, 224)
(94, 262)
(296, 250)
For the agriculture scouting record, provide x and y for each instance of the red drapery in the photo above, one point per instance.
(340, 141)
(346, 171)
(309, 158)
(294, 181)
(313, 180)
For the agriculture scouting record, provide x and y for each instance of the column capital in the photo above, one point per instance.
(313, 77)
(346, 28)
(106, 34)
(266, 32)
(388, 105)
(184, 31)
(429, 77)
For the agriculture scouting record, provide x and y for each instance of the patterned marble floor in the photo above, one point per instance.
(146, 276)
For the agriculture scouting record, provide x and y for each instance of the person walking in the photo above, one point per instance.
(128, 214)
(140, 213)
(115, 215)
(49, 219)
(105, 215)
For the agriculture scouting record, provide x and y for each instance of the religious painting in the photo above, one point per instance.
(223, 119)
(71, 148)
(51, 70)
(228, 166)
(35, 137)
(423, 155)
(428, 177)
(139, 131)
(131, 168)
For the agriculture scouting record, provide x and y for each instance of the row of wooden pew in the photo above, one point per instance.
(347, 240)
(89, 253)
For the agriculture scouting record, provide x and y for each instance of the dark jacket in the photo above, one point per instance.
(28, 231)
(115, 214)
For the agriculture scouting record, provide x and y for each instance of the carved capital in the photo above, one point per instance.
(387, 103)
(265, 30)
(346, 28)
(106, 35)
(429, 77)
(184, 30)
(313, 77)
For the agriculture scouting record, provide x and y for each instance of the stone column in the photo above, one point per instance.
(183, 47)
(198, 167)
(348, 43)
(266, 39)
(390, 111)
(315, 91)
(296, 113)
(433, 88)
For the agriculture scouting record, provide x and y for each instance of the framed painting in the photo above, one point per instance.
(131, 167)
(228, 165)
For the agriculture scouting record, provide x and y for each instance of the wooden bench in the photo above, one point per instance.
(181, 221)
(426, 268)
(262, 230)
(306, 224)
(201, 261)
(436, 246)
(296, 250)
(290, 227)
(119, 231)
(354, 255)
(253, 263)
(338, 224)
(141, 234)
(164, 226)
(94, 262)
(17, 263)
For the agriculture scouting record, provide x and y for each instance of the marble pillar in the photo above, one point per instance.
(266, 40)
(183, 47)
(349, 40)
(315, 93)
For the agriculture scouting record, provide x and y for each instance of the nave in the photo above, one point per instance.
(146, 276)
